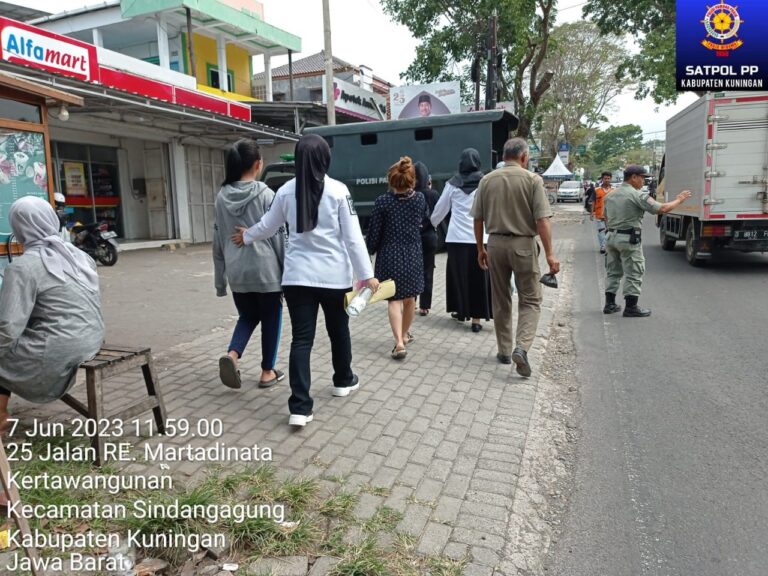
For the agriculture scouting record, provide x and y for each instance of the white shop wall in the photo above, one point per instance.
(135, 215)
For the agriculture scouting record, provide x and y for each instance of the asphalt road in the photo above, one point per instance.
(672, 458)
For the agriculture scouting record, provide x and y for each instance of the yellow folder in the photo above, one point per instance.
(386, 290)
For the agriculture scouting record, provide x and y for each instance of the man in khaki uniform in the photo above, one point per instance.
(510, 203)
(624, 211)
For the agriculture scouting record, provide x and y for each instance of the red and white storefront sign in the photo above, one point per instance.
(37, 48)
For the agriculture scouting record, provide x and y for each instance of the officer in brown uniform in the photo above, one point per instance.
(512, 206)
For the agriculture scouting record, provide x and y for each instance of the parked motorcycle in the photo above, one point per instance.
(97, 241)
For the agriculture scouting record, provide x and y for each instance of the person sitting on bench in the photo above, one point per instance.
(50, 309)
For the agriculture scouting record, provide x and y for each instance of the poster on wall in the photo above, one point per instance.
(23, 171)
(425, 100)
(74, 178)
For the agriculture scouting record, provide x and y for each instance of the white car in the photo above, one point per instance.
(570, 190)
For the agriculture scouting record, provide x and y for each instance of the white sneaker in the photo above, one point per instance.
(345, 390)
(299, 420)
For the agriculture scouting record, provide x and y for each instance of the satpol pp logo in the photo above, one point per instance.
(722, 22)
(26, 47)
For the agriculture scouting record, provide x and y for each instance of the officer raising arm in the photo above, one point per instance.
(624, 211)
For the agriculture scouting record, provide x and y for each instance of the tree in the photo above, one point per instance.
(613, 144)
(652, 22)
(584, 63)
(452, 32)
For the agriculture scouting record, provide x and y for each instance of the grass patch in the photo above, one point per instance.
(310, 522)
(384, 520)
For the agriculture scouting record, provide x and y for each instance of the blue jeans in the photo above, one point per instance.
(600, 225)
(254, 308)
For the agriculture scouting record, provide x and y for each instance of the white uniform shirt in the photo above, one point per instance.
(326, 256)
(461, 228)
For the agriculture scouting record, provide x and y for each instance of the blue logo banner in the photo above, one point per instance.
(722, 45)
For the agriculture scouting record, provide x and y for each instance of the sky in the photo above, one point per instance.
(362, 34)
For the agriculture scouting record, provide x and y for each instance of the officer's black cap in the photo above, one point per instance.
(633, 169)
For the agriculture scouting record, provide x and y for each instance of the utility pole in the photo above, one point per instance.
(490, 80)
(331, 105)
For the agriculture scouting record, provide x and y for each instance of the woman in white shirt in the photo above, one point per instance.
(325, 246)
(468, 292)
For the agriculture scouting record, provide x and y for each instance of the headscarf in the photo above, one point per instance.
(469, 171)
(36, 225)
(313, 157)
(422, 176)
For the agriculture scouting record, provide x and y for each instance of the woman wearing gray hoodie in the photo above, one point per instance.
(254, 275)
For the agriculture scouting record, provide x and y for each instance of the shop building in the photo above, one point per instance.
(295, 93)
(145, 151)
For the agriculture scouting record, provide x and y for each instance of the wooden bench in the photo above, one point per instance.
(110, 361)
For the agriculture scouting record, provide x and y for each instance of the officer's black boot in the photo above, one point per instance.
(632, 310)
(610, 304)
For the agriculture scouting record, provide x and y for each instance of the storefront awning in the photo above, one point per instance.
(118, 112)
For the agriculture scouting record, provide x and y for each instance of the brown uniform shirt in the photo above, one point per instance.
(509, 200)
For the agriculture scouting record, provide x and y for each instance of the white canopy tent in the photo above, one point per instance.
(557, 169)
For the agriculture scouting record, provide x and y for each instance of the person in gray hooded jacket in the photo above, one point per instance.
(50, 310)
(254, 275)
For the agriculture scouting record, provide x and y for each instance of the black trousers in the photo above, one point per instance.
(303, 304)
(428, 249)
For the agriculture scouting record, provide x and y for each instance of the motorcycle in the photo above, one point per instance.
(97, 241)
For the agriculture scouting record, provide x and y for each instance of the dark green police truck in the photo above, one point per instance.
(362, 152)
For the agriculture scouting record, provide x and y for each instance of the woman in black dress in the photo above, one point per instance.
(428, 235)
(468, 289)
(394, 235)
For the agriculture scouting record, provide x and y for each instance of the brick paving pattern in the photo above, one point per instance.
(442, 431)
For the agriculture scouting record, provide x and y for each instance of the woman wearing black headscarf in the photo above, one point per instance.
(468, 292)
(428, 235)
(325, 247)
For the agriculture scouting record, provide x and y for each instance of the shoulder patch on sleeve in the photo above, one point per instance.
(351, 205)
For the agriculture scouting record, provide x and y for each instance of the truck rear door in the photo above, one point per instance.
(739, 158)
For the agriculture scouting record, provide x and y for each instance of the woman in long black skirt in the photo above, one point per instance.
(468, 289)
(428, 236)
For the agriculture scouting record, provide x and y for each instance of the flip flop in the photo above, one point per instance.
(279, 375)
(409, 338)
(399, 354)
(229, 374)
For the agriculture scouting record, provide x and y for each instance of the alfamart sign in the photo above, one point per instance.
(33, 47)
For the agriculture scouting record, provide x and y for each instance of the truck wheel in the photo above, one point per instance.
(692, 243)
(667, 242)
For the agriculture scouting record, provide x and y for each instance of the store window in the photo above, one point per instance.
(21, 111)
(90, 181)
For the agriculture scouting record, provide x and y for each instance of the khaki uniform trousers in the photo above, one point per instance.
(625, 260)
(518, 255)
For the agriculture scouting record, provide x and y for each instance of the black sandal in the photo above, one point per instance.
(399, 354)
(279, 375)
(229, 374)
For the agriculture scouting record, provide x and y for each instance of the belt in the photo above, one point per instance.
(625, 231)
(508, 234)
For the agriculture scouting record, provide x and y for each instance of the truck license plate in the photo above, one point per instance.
(751, 234)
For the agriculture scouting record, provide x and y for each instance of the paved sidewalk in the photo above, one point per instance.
(443, 431)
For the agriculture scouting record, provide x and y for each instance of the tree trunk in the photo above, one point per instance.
(523, 128)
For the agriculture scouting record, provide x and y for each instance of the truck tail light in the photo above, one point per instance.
(716, 230)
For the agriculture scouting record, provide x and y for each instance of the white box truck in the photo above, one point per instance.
(717, 148)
